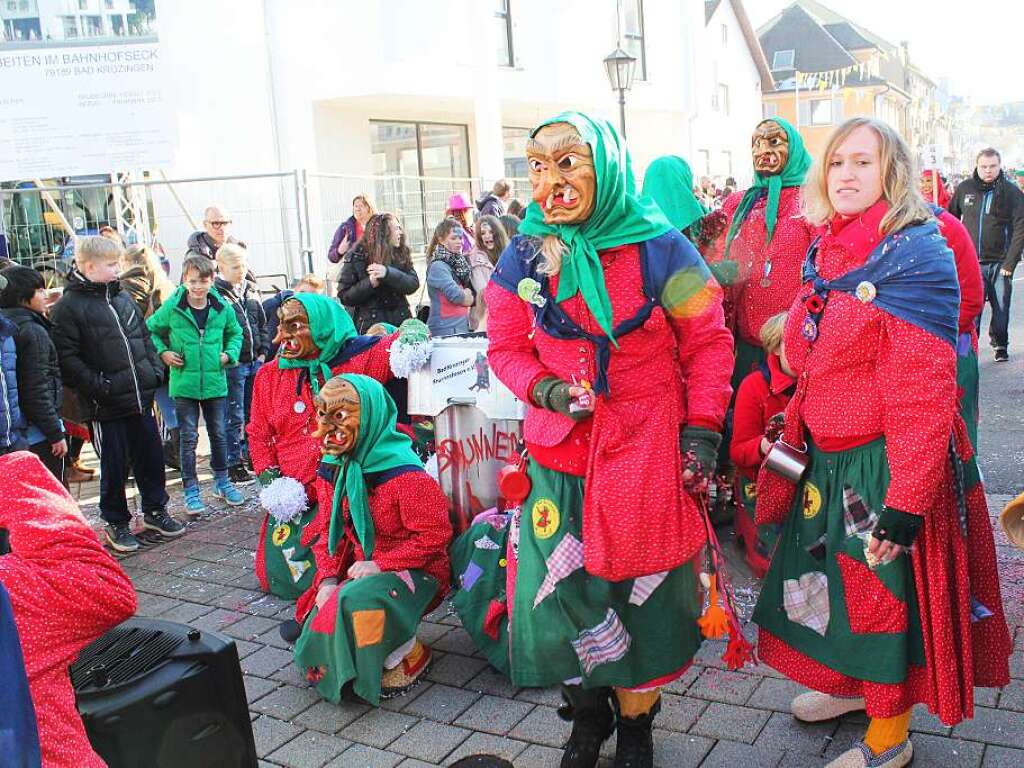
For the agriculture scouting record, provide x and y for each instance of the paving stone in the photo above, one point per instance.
(186, 613)
(845, 736)
(251, 627)
(542, 726)
(212, 553)
(292, 675)
(255, 687)
(1017, 664)
(286, 702)
(729, 754)
(494, 715)
(493, 682)
(217, 620)
(403, 700)
(456, 641)
(331, 718)
(265, 662)
(1012, 696)
(273, 636)
(430, 741)
(309, 750)
(1002, 757)
(487, 744)
(536, 756)
(429, 633)
(727, 721)
(410, 762)
(787, 733)
(549, 697)
(453, 669)
(441, 703)
(679, 713)
(245, 648)
(775, 694)
(994, 726)
(947, 752)
(923, 721)
(153, 605)
(680, 685)
(986, 697)
(723, 685)
(361, 756)
(271, 734)
(378, 728)
(679, 750)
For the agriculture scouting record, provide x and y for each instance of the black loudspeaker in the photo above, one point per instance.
(157, 694)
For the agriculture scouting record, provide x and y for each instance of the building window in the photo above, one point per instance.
(725, 35)
(769, 110)
(503, 20)
(12, 5)
(23, 6)
(70, 26)
(705, 161)
(108, 4)
(821, 112)
(633, 35)
(514, 142)
(83, 5)
(783, 60)
(432, 161)
(723, 99)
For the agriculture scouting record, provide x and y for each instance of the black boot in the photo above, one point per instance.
(634, 742)
(593, 721)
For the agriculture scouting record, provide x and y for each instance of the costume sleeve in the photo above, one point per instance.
(968, 270)
(510, 352)
(377, 359)
(65, 589)
(328, 566)
(748, 421)
(693, 303)
(440, 278)
(916, 375)
(423, 508)
(262, 448)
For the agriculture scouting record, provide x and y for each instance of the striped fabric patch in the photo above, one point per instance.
(606, 643)
(643, 586)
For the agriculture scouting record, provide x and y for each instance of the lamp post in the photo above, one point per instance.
(620, 66)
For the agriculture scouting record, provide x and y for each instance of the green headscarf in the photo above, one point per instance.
(330, 326)
(669, 183)
(378, 448)
(620, 216)
(792, 176)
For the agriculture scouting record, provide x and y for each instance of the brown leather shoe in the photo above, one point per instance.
(76, 473)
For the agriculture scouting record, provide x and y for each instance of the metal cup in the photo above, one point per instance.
(786, 461)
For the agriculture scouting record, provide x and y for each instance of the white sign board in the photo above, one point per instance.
(82, 94)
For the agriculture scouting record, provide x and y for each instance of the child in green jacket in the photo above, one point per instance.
(198, 336)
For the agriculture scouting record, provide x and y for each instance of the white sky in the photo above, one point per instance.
(978, 45)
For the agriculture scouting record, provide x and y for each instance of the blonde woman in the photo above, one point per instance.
(883, 591)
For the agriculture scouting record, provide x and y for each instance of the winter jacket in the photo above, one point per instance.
(174, 329)
(12, 423)
(250, 316)
(994, 217)
(270, 307)
(200, 244)
(490, 205)
(40, 388)
(105, 352)
(480, 271)
(384, 304)
(136, 283)
(65, 591)
(348, 228)
(448, 316)
(763, 394)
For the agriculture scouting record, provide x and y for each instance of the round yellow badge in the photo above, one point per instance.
(281, 534)
(812, 500)
(750, 489)
(545, 518)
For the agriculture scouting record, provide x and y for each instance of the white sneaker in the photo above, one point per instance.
(816, 707)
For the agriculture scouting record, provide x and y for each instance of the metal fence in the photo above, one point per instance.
(287, 220)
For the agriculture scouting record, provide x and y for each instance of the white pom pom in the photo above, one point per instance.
(430, 467)
(407, 358)
(284, 499)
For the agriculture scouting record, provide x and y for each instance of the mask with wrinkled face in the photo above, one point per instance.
(769, 147)
(294, 336)
(562, 175)
(337, 417)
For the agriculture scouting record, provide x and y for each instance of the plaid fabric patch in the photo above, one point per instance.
(484, 542)
(643, 586)
(816, 548)
(566, 558)
(607, 642)
(806, 601)
(857, 517)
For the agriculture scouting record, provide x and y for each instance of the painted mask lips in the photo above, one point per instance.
(567, 198)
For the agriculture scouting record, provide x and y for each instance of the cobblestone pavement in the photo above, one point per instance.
(712, 717)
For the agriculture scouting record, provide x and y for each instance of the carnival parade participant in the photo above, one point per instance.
(380, 540)
(317, 340)
(757, 423)
(883, 591)
(767, 238)
(599, 312)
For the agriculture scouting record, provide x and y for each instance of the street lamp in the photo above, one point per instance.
(620, 66)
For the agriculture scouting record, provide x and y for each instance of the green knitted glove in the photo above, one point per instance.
(268, 475)
(725, 272)
(553, 394)
(897, 526)
(700, 449)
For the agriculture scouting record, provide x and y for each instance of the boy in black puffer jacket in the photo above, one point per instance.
(39, 381)
(107, 357)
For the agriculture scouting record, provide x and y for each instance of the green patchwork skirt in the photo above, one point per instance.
(566, 624)
(967, 383)
(283, 565)
(360, 625)
(819, 595)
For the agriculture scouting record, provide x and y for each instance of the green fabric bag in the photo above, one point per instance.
(288, 567)
(620, 216)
